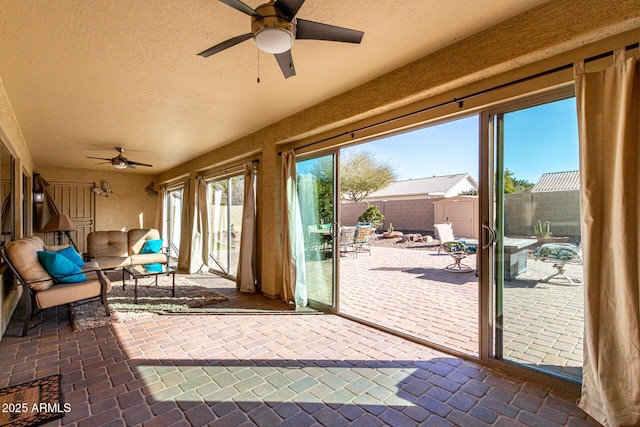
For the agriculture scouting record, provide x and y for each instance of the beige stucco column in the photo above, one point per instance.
(270, 249)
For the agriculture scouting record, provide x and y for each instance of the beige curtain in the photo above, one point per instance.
(184, 256)
(609, 128)
(159, 224)
(200, 233)
(293, 267)
(246, 274)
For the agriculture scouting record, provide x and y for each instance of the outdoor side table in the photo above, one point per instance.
(142, 271)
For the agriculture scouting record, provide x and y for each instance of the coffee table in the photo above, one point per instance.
(140, 271)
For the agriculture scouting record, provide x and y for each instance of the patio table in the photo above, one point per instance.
(141, 271)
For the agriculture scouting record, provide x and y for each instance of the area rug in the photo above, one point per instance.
(151, 299)
(32, 403)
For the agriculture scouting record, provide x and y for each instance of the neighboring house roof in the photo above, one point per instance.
(435, 185)
(557, 181)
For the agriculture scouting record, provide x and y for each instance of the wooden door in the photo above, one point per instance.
(461, 212)
(77, 200)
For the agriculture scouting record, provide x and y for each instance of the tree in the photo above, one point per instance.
(361, 173)
(522, 185)
(509, 186)
(372, 215)
(515, 185)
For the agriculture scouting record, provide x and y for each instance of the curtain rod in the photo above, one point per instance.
(460, 101)
(229, 169)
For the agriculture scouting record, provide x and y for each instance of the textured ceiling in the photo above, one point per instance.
(85, 76)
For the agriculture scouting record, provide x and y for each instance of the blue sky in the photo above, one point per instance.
(537, 140)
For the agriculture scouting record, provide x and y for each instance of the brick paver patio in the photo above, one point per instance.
(408, 290)
(269, 370)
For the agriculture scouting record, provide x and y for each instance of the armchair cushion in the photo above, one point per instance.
(137, 237)
(107, 244)
(23, 255)
(60, 268)
(65, 293)
(148, 259)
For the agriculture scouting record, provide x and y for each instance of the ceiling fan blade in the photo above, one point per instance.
(238, 5)
(130, 166)
(285, 61)
(99, 158)
(129, 162)
(318, 31)
(225, 45)
(289, 7)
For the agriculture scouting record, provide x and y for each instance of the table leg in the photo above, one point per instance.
(135, 290)
(173, 281)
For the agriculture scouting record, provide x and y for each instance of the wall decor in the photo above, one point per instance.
(150, 189)
(103, 190)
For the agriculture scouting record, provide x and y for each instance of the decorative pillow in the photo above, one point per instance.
(152, 246)
(60, 268)
(73, 256)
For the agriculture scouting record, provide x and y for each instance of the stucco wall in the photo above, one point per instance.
(127, 207)
(11, 137)
(561, 209)
(408, 215)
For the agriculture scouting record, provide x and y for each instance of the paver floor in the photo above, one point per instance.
(273, 369)
(408, 290)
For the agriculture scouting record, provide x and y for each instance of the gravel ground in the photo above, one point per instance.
(404, 242)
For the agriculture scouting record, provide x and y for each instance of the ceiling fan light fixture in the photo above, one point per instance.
(120, 165)
(274, 39)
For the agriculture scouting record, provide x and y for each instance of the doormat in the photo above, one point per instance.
(32, 403)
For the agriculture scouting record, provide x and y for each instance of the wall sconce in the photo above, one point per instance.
(38, 197)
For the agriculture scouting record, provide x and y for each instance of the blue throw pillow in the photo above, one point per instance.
(60, 268)
(73, 256)
(152, 246)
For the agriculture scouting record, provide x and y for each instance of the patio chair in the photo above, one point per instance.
(560, 254)
(51, 276)
(313, 240)
(347, 239)
(444, 233)
(362, 237)
(459, 250)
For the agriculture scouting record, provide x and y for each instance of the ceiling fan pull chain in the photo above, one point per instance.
(258, 66)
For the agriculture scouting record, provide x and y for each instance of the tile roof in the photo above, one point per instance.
(557, 181)
(431, 185)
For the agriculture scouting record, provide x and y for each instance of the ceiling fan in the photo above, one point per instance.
(274, 27)
(120, 161)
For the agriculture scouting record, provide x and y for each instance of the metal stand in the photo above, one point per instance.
(68, 234)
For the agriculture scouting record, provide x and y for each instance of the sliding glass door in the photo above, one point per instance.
(226, 199)
(315, 181)
(174, 200)
(537, 274)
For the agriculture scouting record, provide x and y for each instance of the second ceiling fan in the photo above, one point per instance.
(274, 27)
